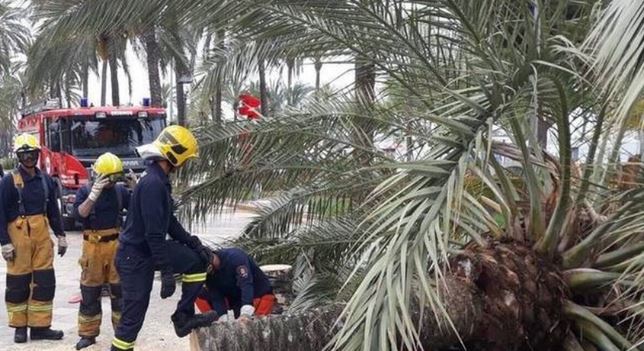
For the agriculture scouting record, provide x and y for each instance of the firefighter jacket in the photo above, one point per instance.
(238, 281)
(106, 212)
(33, 200)
(151, 216)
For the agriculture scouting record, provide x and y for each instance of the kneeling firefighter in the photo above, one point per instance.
(28, 207)
(99, 206)
(143, 247)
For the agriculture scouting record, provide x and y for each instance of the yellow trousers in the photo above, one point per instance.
(31, 282)
(97, 263)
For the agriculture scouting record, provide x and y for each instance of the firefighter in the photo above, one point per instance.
(28, 207)
(143, 247)
(98, 206)
(235, 282)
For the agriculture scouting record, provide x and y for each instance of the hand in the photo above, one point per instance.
(194, 242)
(8, 252)
(223, 318)
(131, 179)
(97, 188)
(62, 245)
(205, 254)
(168, 284)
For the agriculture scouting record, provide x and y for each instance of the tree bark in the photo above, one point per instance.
(217, 110)
(502, 297)
(180, 71)
(318, 69)
(312, 330)
(85, 79)
(103, 83)
(263, 93)
(153, 55)
(114, 79)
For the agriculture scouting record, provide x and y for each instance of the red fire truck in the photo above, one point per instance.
(73, 138)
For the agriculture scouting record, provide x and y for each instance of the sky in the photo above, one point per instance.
(337, 75)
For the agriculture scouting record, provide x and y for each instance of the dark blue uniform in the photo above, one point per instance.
(236, 283)
(105, 213)
(143, 248)
(32, 197)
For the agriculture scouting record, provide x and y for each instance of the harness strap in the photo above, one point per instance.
(19, 184)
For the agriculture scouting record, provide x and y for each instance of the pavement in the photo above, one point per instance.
(157, 332)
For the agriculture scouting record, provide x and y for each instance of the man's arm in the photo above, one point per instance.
(154, 212)
(245, 283)
(4, 197)
(82, 205)
(53, 212)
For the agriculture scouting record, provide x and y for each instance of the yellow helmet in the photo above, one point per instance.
(25, 142)
(108, 164)
(177, 144)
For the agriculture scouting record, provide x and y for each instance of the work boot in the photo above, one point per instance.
(20, 335)
(46, 333)
(85, 341)
(184, 324)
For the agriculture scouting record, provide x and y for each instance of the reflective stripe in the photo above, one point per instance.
(122, 344)
(41, 308)
(194, 278)
(17, 308)
(88, 319)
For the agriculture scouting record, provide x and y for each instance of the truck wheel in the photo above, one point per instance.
(68, 222)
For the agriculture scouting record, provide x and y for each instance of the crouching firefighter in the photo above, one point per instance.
(28, 207)
(143, 247)
(98, 206)
(236, 282)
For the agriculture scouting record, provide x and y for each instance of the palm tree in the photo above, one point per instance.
(449, 248)
(14, 35)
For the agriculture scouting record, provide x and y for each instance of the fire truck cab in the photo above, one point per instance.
(73, 138)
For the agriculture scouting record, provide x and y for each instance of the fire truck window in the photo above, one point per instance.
(54, 136)
(92, 137)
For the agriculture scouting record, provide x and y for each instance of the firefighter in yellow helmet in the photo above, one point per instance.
(99, 206)
(28, 207)
(143, 247)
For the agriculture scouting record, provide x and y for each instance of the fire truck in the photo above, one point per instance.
(73, 138)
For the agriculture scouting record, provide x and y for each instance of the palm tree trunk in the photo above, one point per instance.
(318, 69)
(85, 79)
(365, 82)
(489, 295)
(263, 98)
(181, 101)
(313, 329)
(217, 110)
(103, 82)
(114, 79)
(152, 57)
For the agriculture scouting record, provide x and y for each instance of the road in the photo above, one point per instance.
(157, 333)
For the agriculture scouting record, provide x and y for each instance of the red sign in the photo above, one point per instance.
(249, 106)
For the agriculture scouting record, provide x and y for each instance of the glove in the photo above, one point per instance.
(8, 252)
(168, 284)
(205, 254)
(194, 242)
(247, 311)
(97, 188)
(62, 245)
